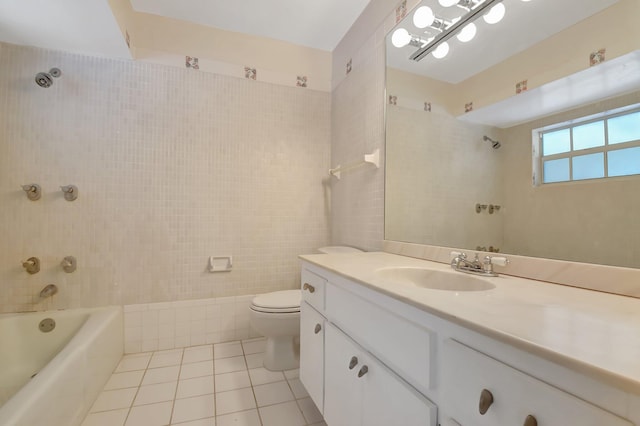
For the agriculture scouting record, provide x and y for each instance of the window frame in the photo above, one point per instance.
(539, 159)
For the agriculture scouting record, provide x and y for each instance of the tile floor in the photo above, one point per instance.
(210, 385)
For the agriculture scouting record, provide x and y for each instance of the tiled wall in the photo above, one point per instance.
(172, 165)
(168, 325)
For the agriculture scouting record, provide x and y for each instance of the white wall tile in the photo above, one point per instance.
(172, 166)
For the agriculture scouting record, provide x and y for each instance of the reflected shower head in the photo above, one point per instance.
(44, 79)
(494, 144)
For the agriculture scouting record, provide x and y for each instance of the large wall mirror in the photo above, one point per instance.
(525, 139)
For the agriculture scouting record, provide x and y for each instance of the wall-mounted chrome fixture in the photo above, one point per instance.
(435, 31)
(31, 265)
(480, 207)
(69, 264)
(33, 190)
(45, 79)
(494, 144)
(70, 192)
(493, 208)
(48, 291)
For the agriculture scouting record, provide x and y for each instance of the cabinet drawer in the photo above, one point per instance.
(313, 289)
(402, 345)
(468, 373)
(312, 326)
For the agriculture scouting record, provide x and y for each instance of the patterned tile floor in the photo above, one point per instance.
(210, 385)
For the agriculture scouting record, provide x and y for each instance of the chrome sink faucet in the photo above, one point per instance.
(459, 262)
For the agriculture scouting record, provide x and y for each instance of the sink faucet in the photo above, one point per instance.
(460, 263)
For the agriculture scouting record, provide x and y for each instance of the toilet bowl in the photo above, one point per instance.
(277, 317)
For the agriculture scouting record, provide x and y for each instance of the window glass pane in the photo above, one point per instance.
(556, 170)
(624, 162)
(556, 142)
(588, 166)
(588, 135)
(624, 128)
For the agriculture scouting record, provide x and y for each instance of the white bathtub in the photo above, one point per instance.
(72, 363)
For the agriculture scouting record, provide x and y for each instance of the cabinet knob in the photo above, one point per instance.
(530, 421)
(486, 399)
(364, 370)
(308, 287)
(317, 329)
(353, 362)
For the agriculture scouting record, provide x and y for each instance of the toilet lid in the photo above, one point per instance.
(278, 301)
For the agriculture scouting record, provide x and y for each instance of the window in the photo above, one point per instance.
(607, 146)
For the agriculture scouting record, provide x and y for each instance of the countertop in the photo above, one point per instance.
(594, 333)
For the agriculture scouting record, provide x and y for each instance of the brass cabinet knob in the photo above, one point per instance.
(308, 287)
(317, 329)
(486, 399)
(530, 421)
(364, 370)
(353, 362)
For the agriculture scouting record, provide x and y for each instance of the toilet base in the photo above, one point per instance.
(282, 353)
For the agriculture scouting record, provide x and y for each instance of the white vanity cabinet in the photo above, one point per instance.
(362, 391)
(369, 358)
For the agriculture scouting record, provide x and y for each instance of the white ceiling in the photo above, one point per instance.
(524, 25)
(320, 24)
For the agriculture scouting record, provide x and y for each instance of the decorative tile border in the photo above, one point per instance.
(468, 107)
(250, 73)
(401, 11)
(521, 87)
(598, 57)
(427, 106)
(191, 62)
(349, 64)
(301, 81)
(408, 103)
(393, 100)
(168, 325)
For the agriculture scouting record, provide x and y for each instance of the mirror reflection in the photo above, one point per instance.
(524, 139)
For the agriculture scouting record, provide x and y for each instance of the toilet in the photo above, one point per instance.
(276, 316)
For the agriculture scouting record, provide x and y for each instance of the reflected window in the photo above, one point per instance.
(608, 146)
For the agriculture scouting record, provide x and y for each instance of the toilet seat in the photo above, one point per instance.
(287, 301)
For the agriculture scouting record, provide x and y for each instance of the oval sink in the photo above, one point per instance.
(434, 279)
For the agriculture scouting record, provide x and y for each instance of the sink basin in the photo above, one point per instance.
(434, 279)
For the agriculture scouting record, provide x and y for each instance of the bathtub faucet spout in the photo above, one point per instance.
(49, 290)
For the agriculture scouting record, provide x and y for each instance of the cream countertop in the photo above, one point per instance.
(594, 333)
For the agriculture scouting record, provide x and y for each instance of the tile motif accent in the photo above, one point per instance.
(401, 11)
(349, 65)
(127, 38)
(468, 107)
(393, 100)
(250, 73)
(427, 106)
(191, 62)
(301, 81)
(598, 57)
(521, 87)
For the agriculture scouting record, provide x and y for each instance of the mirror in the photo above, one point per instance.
(462, 132)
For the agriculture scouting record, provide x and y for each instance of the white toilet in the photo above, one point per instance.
(277, 317)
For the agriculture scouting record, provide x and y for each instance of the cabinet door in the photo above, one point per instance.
(343, 396)
(388, 400)
(312, 353)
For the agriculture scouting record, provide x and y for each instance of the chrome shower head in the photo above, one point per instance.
(44, 79)
(494, 144)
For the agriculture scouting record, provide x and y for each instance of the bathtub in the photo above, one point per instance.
(53, 378)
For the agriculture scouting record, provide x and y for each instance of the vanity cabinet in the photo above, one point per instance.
(368, 358)
(362, 391)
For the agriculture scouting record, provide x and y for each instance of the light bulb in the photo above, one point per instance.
(468, 33)
(400, 37)
(495, 15)
(447, 3)
(441, 51)
(423, 17)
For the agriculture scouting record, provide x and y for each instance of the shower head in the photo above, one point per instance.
(494, 144)
(44, 79)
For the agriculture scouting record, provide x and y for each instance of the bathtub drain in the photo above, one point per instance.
(47, 324)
